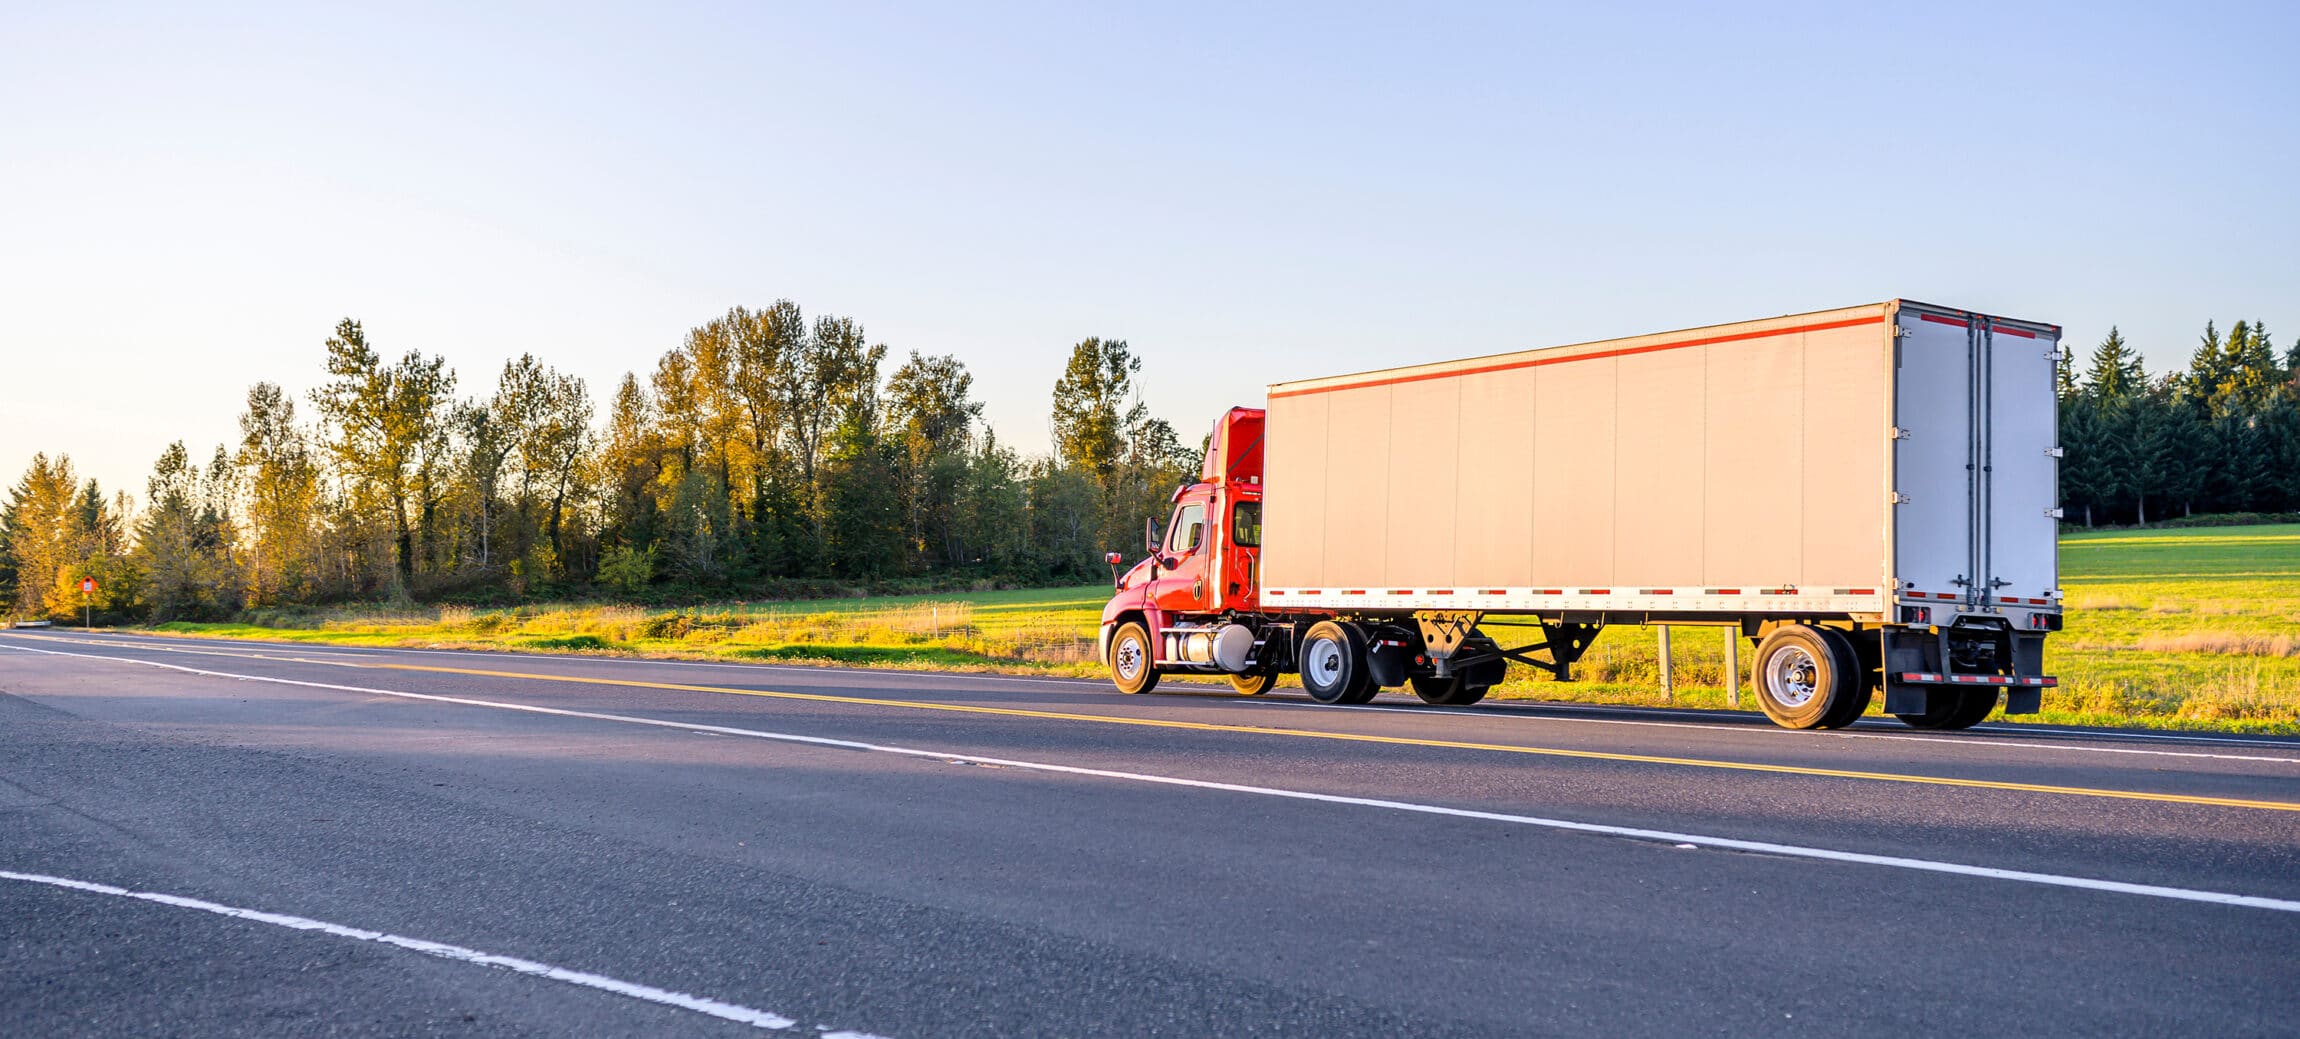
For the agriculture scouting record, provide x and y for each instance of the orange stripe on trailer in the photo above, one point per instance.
(2002, 331)
(1822, 326)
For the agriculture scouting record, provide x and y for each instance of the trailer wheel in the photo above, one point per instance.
(1254, 683)
(1856, 700)
(1447, 692)
(1333, 662)
(1802, 673)
(1962, 711)
(1130, 667)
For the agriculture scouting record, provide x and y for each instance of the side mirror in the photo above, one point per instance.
(1113, 559)
(1149, 536)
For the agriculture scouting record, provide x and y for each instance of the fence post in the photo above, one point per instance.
(1668, 688)
(1733, 668)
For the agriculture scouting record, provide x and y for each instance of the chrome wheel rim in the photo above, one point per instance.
(1128, 659)
(1792, 677)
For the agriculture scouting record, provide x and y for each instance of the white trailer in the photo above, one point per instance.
(1869, 492)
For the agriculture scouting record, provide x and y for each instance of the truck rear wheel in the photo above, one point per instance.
(1804, 678)
(1334, 664)
(1863, 690)
(1130, 667)
(1447, 692)
(1963, 710)
(1254, 683)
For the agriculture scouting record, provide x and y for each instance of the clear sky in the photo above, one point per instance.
(192, 194)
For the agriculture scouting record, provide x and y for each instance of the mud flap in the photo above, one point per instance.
(2024, 701)
(1902, 698)
(1386, 660)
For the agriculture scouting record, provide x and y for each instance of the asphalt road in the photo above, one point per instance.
(908, 854)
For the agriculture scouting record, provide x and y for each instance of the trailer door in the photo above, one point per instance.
(2021, 554)
(1974, 458)
(1933, 438)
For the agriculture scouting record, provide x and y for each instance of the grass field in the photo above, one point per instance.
(2186, 629)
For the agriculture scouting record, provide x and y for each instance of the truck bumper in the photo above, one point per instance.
(1102, 644)
(1907, 691)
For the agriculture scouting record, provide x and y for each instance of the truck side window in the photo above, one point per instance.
(1246, 524)
(1189, 526)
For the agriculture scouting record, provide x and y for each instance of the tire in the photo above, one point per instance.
(1447, 692)
(1856, 701)
(1254, 683)
(1130, 667)
(1804, 678)
(1963, 711)
(1333, 662)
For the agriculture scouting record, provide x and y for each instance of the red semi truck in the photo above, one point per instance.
(1868, 494)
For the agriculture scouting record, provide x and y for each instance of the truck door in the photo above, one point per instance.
(1973, 458)
(1181, 585)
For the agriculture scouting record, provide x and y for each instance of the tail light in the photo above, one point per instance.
(1916, 615)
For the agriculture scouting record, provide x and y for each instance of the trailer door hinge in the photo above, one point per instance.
(1900, 433)
(2053, 513)
(1897, 498)
(2054, 452)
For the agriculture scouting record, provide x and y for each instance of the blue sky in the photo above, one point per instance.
(191, 195)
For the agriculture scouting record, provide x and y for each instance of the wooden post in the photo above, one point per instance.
(1668, 689)
(1733, 667)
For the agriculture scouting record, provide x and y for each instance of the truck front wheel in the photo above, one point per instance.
(1130, 668)
(1806, 679)
(1334, 664)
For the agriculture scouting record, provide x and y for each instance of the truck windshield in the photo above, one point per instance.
(1246, 524)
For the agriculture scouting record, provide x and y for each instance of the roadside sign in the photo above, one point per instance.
(87, 586)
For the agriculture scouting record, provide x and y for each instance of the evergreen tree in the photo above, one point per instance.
(2115, 375)
(2086, 481)
(2208, 368)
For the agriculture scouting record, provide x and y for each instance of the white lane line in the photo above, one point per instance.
(1634, 833)
(1773, 731)
(681, 1000)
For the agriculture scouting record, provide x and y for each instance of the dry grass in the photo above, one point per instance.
(2226, 643)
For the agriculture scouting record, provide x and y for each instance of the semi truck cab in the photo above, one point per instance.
(1200, 575)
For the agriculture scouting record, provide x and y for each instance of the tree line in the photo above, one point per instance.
(2220, 436)
(772, 454)
(769, 453)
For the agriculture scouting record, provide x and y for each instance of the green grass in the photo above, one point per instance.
(2180, 629)
(1038, 630)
